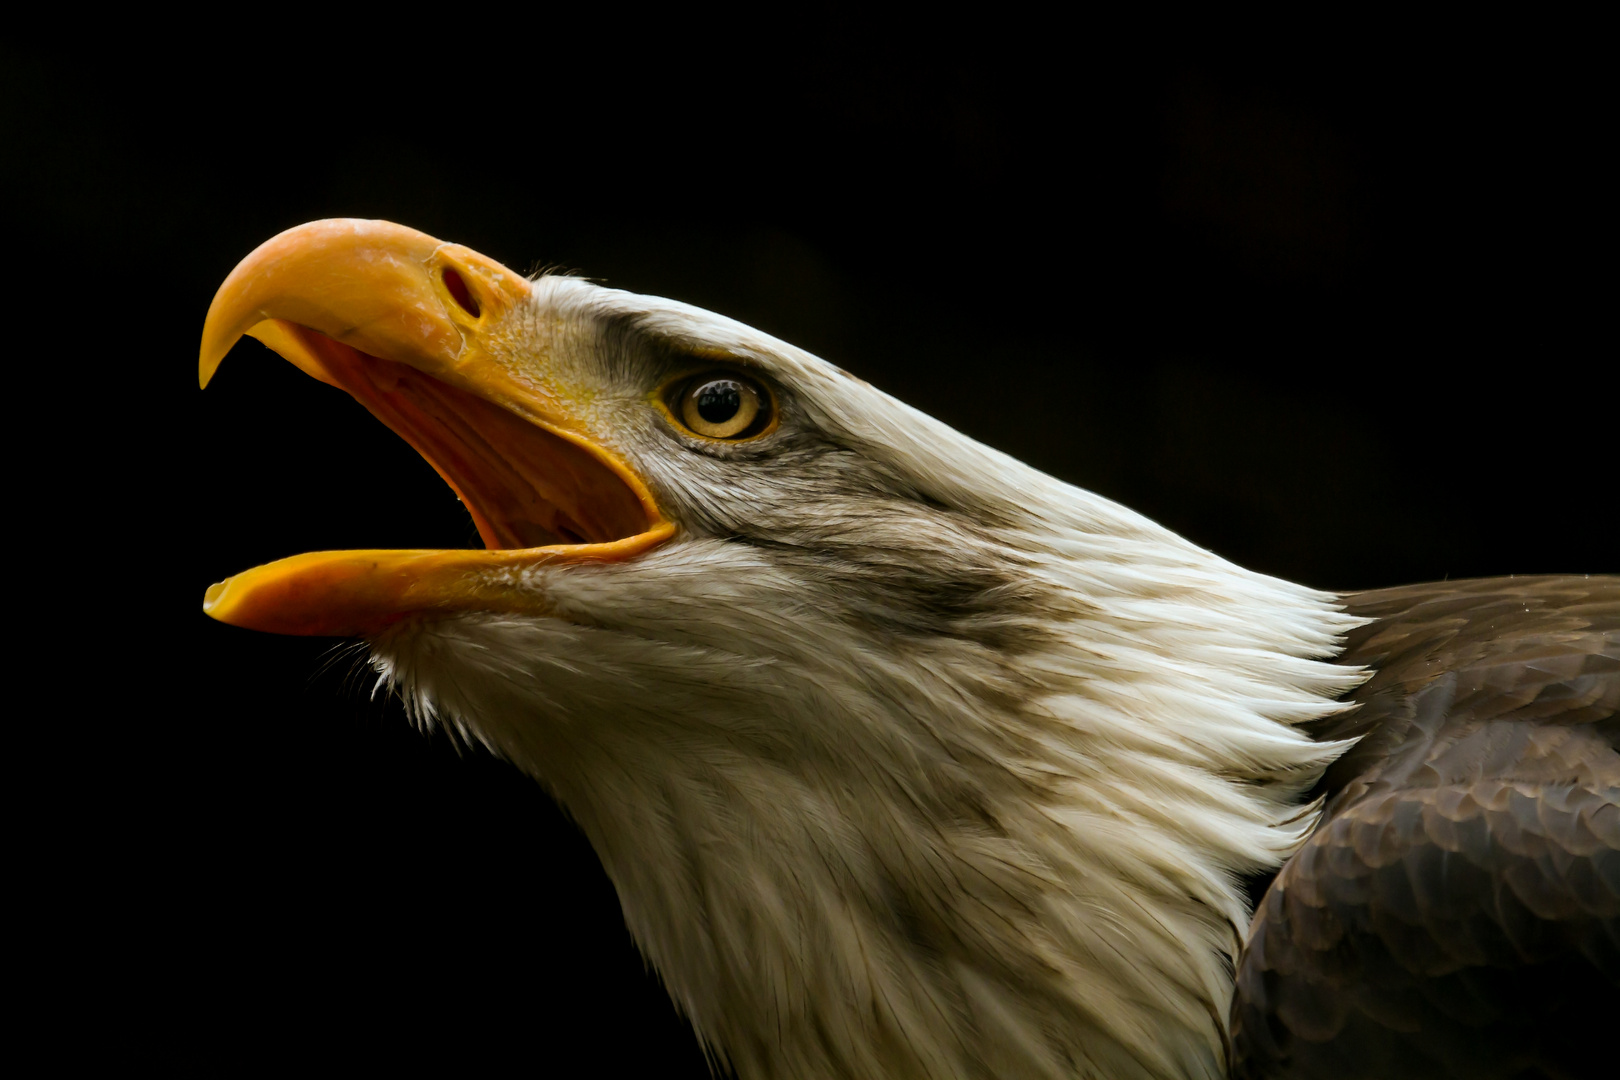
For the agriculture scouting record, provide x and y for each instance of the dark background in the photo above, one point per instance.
(1337, 321)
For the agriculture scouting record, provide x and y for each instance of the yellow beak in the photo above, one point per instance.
(422, 333)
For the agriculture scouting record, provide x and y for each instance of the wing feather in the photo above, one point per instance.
(1457, 910)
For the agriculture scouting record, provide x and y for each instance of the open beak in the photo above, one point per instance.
(423, 334)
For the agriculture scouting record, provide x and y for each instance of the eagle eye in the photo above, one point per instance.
(723, 406)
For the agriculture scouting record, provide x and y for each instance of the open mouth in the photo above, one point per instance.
(402, 322)
(524, 486)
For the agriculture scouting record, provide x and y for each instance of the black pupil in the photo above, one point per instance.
(719, 401)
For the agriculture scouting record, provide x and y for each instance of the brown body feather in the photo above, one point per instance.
(1456, 913)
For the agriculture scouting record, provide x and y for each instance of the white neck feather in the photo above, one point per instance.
(973, 865)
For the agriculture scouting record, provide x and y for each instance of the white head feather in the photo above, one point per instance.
(905, 758)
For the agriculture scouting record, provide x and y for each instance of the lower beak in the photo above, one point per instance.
(422, 334)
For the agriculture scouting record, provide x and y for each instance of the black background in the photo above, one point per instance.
(1336, 319)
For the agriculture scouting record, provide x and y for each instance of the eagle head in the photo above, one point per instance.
(904, 758)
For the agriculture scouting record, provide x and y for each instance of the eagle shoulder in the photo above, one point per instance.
(1456, 912)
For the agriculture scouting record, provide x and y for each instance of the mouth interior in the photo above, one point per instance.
(525, 487)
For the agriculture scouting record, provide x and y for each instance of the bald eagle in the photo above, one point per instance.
(908, 760)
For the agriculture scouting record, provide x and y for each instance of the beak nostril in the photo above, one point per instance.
(460, 293)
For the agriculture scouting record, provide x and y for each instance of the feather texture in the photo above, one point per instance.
(1457, 913)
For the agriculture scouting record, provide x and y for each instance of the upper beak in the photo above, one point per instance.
(423, 334)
